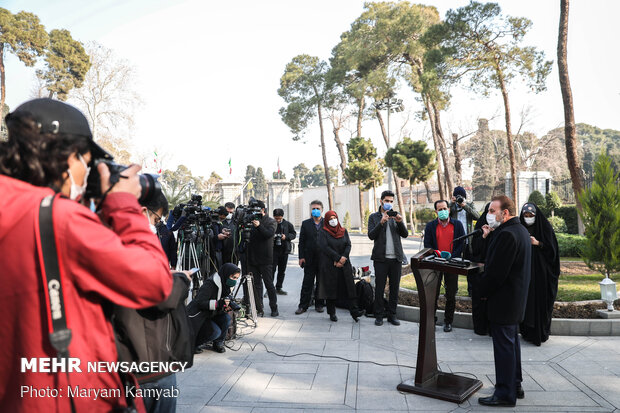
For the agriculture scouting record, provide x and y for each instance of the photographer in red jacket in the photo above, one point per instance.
(49, 151)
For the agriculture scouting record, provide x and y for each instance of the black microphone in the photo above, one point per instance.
(478, 231)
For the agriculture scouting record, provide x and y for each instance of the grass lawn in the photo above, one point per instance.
(570, 288)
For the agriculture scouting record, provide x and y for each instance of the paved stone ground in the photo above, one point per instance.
(566, 374)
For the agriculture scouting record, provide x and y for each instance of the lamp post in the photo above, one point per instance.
(608, 292)
(391, 105)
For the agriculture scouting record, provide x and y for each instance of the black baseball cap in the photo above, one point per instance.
(54, 116)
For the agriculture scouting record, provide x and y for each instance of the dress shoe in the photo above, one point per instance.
(394, 321)
(275, 313)
(300, 310)
(219, 347)
(197, 350)
(260, 313)
(379, 322)
(265, 295)
(520, 392)
(333, 317)
(356, 314)
(280, 291)
(495, 401)
(447, 327)
(319, 308)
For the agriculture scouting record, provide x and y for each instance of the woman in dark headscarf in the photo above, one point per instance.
(479, 248)
(334, 246)
(545, 272)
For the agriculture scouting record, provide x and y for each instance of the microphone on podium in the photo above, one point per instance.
(443, 254)
(478, 231)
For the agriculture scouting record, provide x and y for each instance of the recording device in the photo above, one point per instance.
(233, 304)
(478, 231)
(392, 213)
(460, 199)
(244, 215)
(151, 187)
(277, 240)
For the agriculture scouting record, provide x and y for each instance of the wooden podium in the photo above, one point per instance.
(429, 381)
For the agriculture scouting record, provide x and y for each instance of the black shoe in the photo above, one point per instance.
(495, 401)
(447, 327)
(394, 321)
(333, 317)
(265, 295)
(379, 322)
(319, 308)
(275, 313)
(198, 350)
(356, 314)
(520, 392)
(219, 348)
(260, 313)
(280, 291)
(300, 310)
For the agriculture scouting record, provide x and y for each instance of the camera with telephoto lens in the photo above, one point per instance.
(392, 213)
(233, 304)
(151, 188)
(277, 240)
(460, 199)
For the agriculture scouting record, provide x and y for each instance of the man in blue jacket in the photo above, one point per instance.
(439, 234)
(504, 284)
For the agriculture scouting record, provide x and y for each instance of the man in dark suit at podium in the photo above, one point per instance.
(504, 284)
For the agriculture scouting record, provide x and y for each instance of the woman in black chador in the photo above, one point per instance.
(334, 245)
(545, 272)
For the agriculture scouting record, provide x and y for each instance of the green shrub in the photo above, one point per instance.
(425, 215)
(552, 202)
(347, 221)
(537, 198)
(569, 214)
(571, 245)
(557, 224)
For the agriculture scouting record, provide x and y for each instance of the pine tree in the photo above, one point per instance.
(601, 217)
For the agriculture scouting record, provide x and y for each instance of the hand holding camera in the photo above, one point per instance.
(129, 180)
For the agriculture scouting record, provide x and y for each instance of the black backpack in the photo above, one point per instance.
(365, 296)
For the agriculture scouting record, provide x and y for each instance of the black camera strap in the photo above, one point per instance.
(51, 270)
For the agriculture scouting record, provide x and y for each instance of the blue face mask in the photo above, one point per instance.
(387, 206)
(316, 213)
(230, 282)
(443, 214)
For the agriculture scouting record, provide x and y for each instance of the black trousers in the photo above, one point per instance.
(308, 286)
(280, 259)
(263, 273)
(331, 305)
(451, 284)
(507, 354)
(389, 269)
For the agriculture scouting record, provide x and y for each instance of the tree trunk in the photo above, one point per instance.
(325, 165)
(431, 119)
(442, 146)
(429, 193)
(399, 196)
(361, 200)
(2, 79)
(509, 141)
(343, 156)
(457, 158)
(569, 115)
(360, 115)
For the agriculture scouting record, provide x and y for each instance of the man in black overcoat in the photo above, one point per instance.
(309, 258)
(504, 284)
(282, 247)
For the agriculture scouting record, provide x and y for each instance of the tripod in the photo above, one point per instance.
(188, 259)
(248, 279)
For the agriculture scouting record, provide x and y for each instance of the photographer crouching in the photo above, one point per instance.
(209, 311)
(44, 168)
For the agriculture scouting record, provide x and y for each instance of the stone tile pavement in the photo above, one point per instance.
(303, 375)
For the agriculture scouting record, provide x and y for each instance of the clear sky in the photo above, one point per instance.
(208, 72)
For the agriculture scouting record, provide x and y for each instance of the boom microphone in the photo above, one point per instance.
(478, 231)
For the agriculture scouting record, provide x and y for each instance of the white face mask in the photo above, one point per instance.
(492, 221)
(229, 216)
(529, 220)
(152, 227)
(76, 190)
(333, 222)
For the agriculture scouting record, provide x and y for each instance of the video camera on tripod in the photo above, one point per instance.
(244, 215)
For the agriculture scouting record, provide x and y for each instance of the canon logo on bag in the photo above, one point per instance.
(53, 287)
